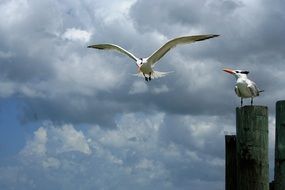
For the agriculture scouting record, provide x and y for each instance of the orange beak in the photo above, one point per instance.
(229, 71)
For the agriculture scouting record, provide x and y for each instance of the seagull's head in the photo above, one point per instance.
(140, 62)
(237, 73)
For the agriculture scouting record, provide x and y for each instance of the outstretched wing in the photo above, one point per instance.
(172, 43)
(113, 47)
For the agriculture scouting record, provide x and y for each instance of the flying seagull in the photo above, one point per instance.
(244, 87)
(145, 65)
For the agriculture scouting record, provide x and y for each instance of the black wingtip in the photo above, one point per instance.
(215, 35)
(95, 47)
(207, 37)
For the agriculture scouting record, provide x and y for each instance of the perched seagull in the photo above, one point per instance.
(145, 65)
(244, 87)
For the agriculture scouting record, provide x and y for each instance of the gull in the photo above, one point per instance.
(244, 87)
(145, 65)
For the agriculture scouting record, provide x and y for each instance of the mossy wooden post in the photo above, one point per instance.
(279, 176)
(252, 148)
(231, 162)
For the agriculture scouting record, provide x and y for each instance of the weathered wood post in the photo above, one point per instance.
(231, 162)
(279, 173)
(252, 148)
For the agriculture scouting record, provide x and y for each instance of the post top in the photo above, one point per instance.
(256, 110)
(253, 107)
(280, 102)
(280, 107)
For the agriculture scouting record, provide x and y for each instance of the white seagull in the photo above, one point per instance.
(145, 65)
(244, 87)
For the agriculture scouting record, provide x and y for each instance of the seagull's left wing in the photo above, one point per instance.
(172, 43)
(113, 47)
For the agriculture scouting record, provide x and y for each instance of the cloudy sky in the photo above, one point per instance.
(75, 118)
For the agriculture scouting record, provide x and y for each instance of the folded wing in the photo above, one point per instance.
(253, 89)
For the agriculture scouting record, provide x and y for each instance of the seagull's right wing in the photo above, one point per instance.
(172, 43)
(113, 47)
(253, 89)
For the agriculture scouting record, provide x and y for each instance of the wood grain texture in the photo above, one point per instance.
(279, 173)
(252, 148)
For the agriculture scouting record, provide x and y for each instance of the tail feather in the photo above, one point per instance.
(258, 92)
(157, 74)
(154, 75)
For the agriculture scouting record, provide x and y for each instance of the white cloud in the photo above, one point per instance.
(69, 139)
(37, 145)
(142, 152)
(85, 75)
(51, 163)
(115, 11)
(12, 12)
(49, 140)
(75, 34)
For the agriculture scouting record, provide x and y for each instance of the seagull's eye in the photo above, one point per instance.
(237, 72)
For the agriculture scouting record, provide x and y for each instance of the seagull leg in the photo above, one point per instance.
(146, 79)
(241, 101)
(149, 78)
(251, 102)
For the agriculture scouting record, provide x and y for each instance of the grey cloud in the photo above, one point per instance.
(195, 15)
(65, 72)
(170, 16)
(246, 30)
(73, 84)
(154, 159)
(74, 109)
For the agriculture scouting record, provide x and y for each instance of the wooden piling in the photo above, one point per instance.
(252, 148)
(271, 185)
(279, 171)
(231, 163)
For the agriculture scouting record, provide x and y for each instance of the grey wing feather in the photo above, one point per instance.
(172, 43)
(113, 47)
(253, 89)
(237, 91)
